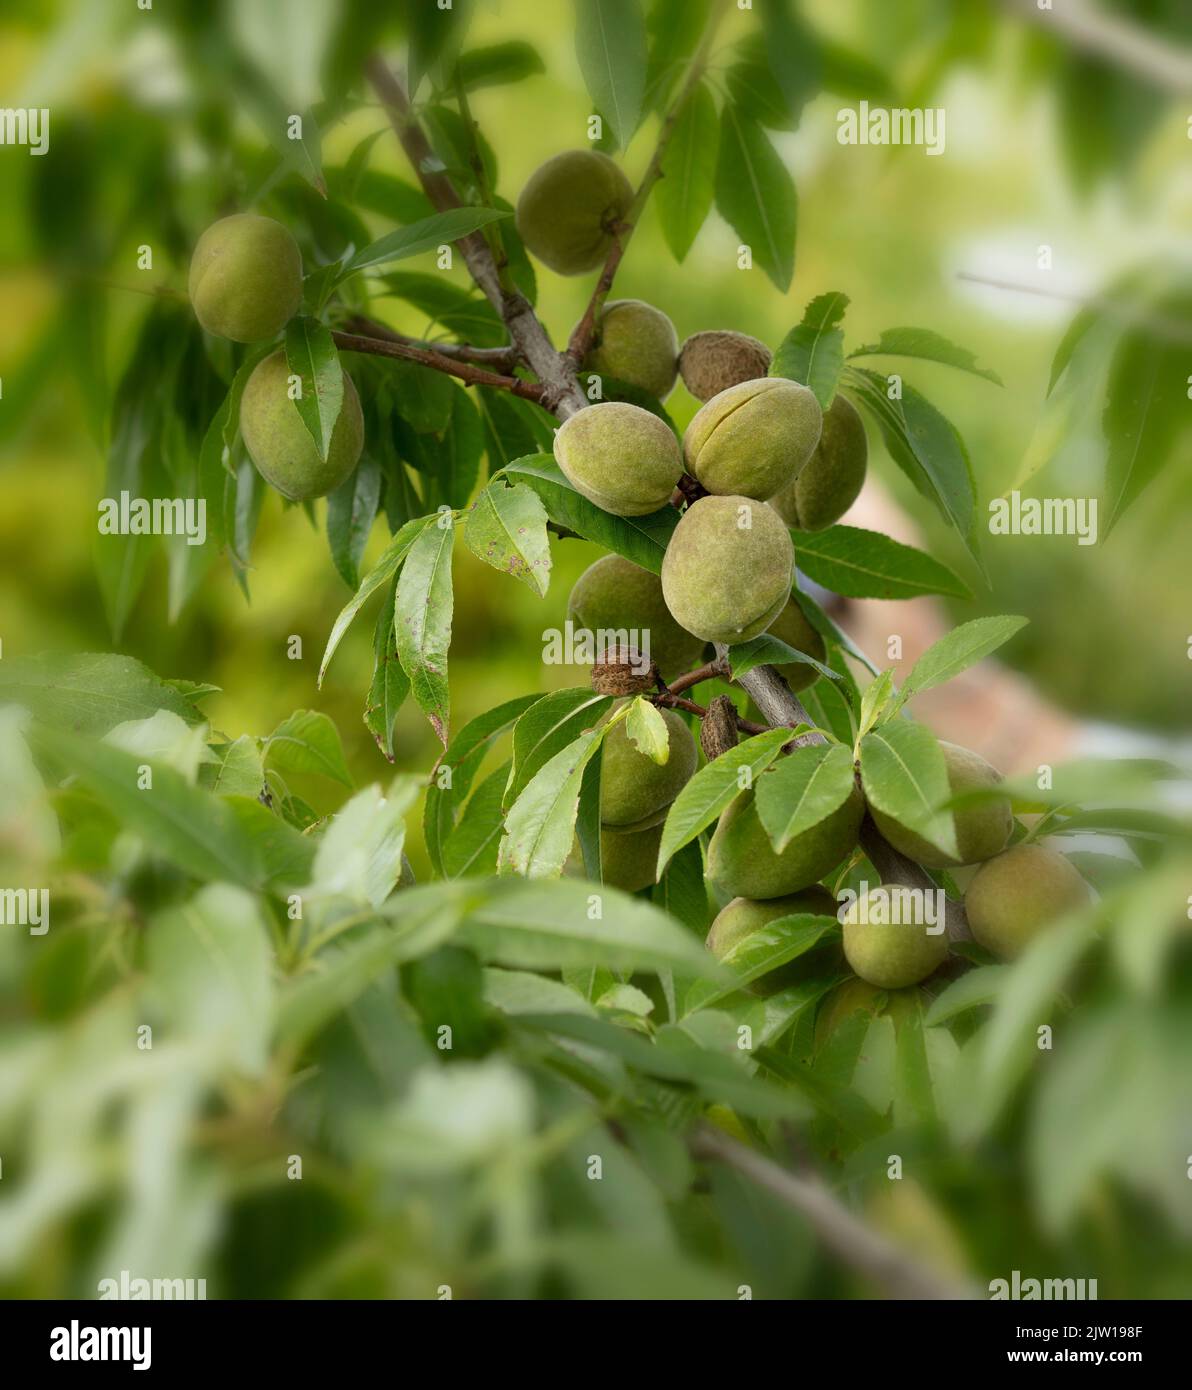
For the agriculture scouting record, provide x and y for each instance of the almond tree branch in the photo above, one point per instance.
(585, 329)
(561, 392)
(495, 357)
(896, 1273)
(429, 357)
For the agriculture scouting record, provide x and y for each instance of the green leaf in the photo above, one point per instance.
(928, 345)
(877, 700)
(684, 195)
(312, 357)
(359, 856)
(904, 776)
(763, 950)
(423, 623)
(769, 651)
(925, 445)
(792, 50)
(714, 786)
(498, 63)
(390, 685)
(551, 723)
(813, 351)
(647, 728)
(540, 825)
(216, 838)
(802, 789)
(960, 649)
(470, 850)
(506, 528)
(380, 574)
(681, 890)
(756, 195)
(867, 564)
(89, 693)
(458, 767)
(551, 925)
(610, 44)
(642, 539)
(210, 967)
(237, 770)
(424, 235)
(1145, 414)
(351, 511)
(974, 988)
(308, 741)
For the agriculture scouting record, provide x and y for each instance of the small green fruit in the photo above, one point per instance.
(280, 444)
(635, 791)
(791, 626)
(245, 278)
(832, 478)
(981, 830)
(744, 916)
(569, 208)
(615, 595)
(742, 861)
(619, 456)
(728, 569)
(629, 858)
(636, 344)
(1018, 894)
(889, 942)
(712, 362)
(753, 439)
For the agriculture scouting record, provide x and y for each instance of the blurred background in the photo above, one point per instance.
(156, 132)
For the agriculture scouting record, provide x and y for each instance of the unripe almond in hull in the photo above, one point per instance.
(280, 444)
(245, 278)
(636, 344)
(753, 439)
(728, 569)
(831, 480)
(569, 208)
(619, 456)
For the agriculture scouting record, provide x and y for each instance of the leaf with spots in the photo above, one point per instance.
(506, 528)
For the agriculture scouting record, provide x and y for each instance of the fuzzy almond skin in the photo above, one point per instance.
(637, 345)
(723, 580)
(280, 444)
(619, 456)
(629, 858)
(635, 791)
(833, 476)
(245, 278)
(569, 206)
(712, 361)
(791, 626)
(753, 439)
(886, 954)
(615, 595)
(744, 916)
(742, 861)
(981, 831)
(1016, 895)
